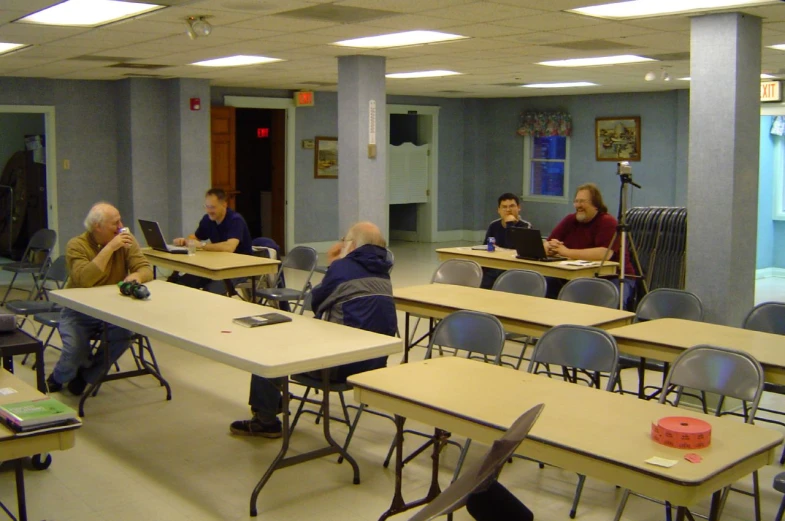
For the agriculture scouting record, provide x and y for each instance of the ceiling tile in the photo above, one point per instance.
(483, 12)
(405, 6)
(551, 22)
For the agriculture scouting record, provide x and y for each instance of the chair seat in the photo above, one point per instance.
(779, 482)
(22, 267)
(320, 269)
(280, 294)
(308, 381)
(50, 318)
(31, 307)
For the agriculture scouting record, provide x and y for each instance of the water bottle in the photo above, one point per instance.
(491, 244)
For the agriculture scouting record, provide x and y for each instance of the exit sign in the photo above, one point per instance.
(303, 98)
(770, 91)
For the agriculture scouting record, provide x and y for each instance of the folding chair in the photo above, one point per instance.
(302, 258)
(469, 331)
(483, 474)
(578, 348)
(35, 261)
(722, 371)
(596, 292)
(520, 282)
(55, 278)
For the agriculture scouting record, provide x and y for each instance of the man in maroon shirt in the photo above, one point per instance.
(586, 235)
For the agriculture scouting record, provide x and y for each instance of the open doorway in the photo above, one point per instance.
(28, 196)
(260, 171)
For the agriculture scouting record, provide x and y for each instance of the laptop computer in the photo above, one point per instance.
(155, 239)
(528, 244)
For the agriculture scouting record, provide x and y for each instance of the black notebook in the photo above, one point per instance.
(261, 320)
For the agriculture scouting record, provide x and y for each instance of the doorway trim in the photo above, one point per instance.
(254, 102)
(51, 161)
(427, 220)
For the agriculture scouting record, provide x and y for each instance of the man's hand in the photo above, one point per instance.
(179, 241)
(334, 252)
(552, 246)
(133, 277)
(120, 240)
(508, 219)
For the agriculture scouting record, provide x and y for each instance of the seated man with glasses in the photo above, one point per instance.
(225, 229)
(587, 235)
(509, 217)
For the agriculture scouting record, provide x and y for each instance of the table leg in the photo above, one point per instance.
(40, 373)
(230, 291)
(8, 363)
(641, 377)
(254, 280)
(20, 490)
(406, 345)
(398, 504)
(332, 447)
(716, 505)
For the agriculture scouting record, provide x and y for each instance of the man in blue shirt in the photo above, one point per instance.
(509, 217)
(225, 230)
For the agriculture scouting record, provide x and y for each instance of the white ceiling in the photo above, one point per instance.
(507, 38)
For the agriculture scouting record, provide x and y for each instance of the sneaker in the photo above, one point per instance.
(53, 385)
(256, 427)
(77, 385)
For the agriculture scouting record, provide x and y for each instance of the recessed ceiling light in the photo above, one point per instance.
(602, 60)
(685, 79)
(400, 39)
(236, 61)
(779, 47)
(8, 47)
(88, 13)
(646, 8)
(421, 74)
(563, 85)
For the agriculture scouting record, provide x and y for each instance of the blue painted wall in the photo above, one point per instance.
(765, 256)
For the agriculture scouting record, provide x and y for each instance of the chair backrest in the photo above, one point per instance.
(670, 303)
(578, 347)
(485, 471)
(470, 331)
(768, 317)
(57, 272)
(597, 292)
(41, 242)
(459, 272)
(727, 372)
(522, 282)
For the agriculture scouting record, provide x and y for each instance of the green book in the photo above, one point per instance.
(36, 413)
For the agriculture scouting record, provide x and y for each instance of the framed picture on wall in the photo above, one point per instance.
(618, 138)
(326, 158)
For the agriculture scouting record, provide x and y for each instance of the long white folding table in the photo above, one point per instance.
(201, 322)
(582, 429)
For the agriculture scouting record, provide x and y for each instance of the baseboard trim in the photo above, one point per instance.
(460, 235)
(403, 235)
(768, 273)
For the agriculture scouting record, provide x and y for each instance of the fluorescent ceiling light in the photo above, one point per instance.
(421, 74)
(400, 39)
(8, 47)
(559, 85)
(88, 13)
(236, 61)
(646, 8)
(602, 60)
(763, 76)
(779, 47)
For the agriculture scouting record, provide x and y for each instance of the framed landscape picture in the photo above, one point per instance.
(326, 158)
(618, 139)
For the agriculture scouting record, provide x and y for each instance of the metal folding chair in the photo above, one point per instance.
(520, 282)
(727, 373)
(472, 332)
(596, 292)
(301, 258)
(34, 262)
(577, 348)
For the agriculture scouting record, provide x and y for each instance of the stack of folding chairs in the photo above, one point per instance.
(660, 237)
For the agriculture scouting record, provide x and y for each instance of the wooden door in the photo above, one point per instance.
(222, 132)
(278, 152)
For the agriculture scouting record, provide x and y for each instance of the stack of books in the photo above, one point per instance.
(35, 415)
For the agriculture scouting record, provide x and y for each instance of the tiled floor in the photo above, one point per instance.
(139, 457)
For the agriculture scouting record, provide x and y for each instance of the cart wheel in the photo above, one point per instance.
(39, 463)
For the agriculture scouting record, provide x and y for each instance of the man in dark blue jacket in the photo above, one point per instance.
(356, 292)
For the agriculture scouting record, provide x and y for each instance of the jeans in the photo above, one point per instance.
(76, 330)
(489, 276)
(496, 503)
(265, 398)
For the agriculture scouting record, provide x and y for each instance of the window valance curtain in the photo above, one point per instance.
(540, 124)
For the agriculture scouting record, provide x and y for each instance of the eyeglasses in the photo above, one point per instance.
(509, 207)
(581, 201)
